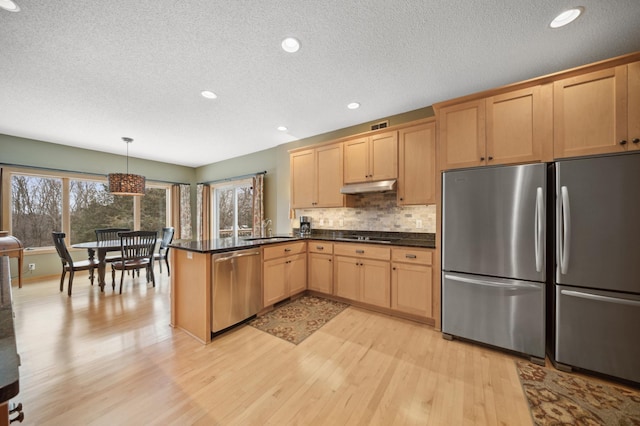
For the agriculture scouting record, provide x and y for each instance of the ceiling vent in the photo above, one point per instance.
(380, 125)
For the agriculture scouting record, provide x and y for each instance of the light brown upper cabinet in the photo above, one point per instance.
(597, 112)
(417, 164)
(508, 128)
(371, 158)
(316, 177)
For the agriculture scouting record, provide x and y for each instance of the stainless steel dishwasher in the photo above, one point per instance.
(236, 292)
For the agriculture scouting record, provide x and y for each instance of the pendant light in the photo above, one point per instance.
(126, 183)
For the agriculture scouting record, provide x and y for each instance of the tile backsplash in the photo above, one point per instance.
(373, 212)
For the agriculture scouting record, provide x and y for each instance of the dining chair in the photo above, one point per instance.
(110, 234)
(70, 265)
(136, 252)
(163, 249)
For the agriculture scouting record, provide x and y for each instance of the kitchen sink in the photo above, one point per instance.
(267, 238)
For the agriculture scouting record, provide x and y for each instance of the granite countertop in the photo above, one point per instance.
(221, 245)
(9, 359)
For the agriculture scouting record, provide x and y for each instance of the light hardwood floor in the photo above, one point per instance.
(93, 359)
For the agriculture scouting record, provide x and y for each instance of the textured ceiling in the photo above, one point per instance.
(86, 73)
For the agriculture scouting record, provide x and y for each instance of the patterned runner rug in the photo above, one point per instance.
(298, 319)
(557, 398)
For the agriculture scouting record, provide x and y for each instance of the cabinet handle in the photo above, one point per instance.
(394, 268)
(481, 158)
(287, 250)
(636, 140)
(623, 142)
(410, 256)
(360, 251)
(490, 158)
(319, 248)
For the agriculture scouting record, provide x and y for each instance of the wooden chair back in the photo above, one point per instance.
(61, 247)
(137, 245)
(109, 234)
(167, 237)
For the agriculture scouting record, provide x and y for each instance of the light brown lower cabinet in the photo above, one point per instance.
(320, 265)
(412, 281)
(284, 271)
(362, 273)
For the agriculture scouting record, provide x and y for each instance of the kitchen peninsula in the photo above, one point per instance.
(394, 273)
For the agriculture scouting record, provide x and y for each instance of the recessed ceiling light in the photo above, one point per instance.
(9, 5)
(566, 17)
(282, 128)
(290, 45)
(353, 105)
(208, 94)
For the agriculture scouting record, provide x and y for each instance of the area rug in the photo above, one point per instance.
(298, 319)
(557, 398)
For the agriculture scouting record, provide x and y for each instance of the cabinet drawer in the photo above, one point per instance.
(363, 250)
(408, 255)
(279, 250)
(320, 247)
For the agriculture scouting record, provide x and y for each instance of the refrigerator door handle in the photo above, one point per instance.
(509, 286)
(566, 230)
(538, 229)
(599, 298)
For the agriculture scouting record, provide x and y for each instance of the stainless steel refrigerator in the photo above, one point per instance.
(596, 303)
(493, 257)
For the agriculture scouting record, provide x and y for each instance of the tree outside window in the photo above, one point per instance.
(153, 213)
(36, 209)
(91, 207)
(233, 209)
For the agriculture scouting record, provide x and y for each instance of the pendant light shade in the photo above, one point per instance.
(126, 183)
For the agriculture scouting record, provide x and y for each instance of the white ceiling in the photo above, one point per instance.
(86, 73)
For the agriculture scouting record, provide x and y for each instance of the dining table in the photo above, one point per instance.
(102, 248)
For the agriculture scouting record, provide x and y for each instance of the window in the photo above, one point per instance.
(43, 202)
(153, 213)
(232, 209)
(91, 206)
(36, 209)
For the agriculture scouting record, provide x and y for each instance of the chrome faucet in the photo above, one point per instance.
(263, 229)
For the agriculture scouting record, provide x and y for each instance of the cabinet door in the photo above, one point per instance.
(633, 102)
(356, 160)
(302, 179)
(417, 165)
(347, 277)
(375, 286)
(590, 113)
(514, 127)
(321, 272)
(383, 156)
(274, 281)
(412, 289)
(462, 135)
(297, 273)
(329, 179)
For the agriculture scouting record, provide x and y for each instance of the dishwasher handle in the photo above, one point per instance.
(236, 255)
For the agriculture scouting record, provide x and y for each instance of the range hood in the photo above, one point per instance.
(363, 187)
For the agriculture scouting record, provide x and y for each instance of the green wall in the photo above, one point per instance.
(275, 161)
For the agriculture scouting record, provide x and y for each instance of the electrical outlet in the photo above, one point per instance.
(418, 223)
(32, 266)
(321, 222)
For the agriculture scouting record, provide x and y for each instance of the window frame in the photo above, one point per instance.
(66, 176)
